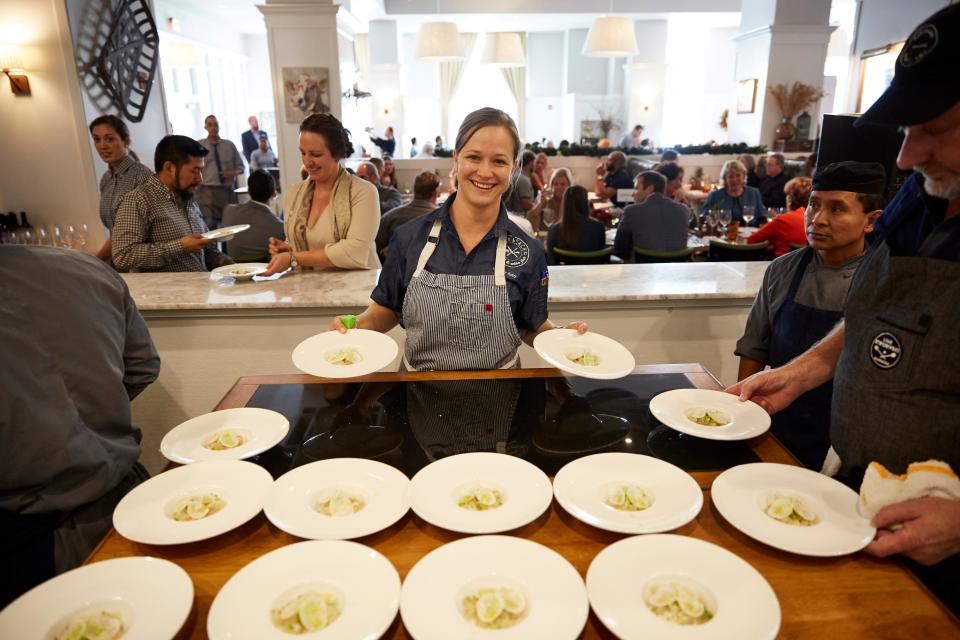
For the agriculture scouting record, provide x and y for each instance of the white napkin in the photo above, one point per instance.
(881, 487)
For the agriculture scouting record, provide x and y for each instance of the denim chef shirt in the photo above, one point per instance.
(526, 264)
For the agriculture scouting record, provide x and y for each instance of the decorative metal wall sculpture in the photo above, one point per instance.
(118, 49)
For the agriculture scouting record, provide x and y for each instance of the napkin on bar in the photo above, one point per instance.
(881, 487)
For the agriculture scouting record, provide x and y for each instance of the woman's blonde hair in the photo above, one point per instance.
(561, 171)
(732, 165)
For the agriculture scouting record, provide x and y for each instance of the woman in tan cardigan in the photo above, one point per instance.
(332, 217)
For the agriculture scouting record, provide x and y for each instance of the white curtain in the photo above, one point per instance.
(516, 78)
(361, 56)
(451, 73)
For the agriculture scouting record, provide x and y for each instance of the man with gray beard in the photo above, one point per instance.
(895, 359)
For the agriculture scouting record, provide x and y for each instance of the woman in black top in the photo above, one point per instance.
(576, 230)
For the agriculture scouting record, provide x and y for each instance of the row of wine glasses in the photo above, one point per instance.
(68, 236)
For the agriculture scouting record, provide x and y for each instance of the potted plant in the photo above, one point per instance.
(789, 102)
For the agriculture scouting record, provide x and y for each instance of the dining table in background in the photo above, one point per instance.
(855, 596)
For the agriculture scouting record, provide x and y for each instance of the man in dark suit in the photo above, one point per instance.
(653, 222)
(425, 191)
(252, 244)
(251, 139)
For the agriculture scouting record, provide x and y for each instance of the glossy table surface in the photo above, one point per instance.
(850, 597)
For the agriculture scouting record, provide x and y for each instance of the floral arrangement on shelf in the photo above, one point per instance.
(792, 100)
(692, 149)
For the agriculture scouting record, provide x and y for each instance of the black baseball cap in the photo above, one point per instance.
(925, 77)
(855, 177)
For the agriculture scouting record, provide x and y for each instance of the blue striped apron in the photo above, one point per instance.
(457, 323)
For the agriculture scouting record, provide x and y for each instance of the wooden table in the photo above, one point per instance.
(823, 598)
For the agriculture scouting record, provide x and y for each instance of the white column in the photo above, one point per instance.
(384, 81)
(301, 33)
(645, 78)
(790, 48)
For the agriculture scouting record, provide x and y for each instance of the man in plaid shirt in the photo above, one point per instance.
(158, 225)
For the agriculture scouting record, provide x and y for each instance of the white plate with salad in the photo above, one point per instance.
(493, 586)
(627, 493)
(194, 502)
(345, 355)
(714, 415)
(589, 355)
(792, 509)
(663, 587)
(230, 434)
(324, 589)
(240, 271)
(480, 492)
(338, 499)
(138, 597)
(225, 233)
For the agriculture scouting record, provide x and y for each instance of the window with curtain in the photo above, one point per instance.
(481, 86)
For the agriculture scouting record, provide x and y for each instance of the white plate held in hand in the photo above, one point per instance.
(225, 233)
(256, 430)
(315, 354)
(678, 408)
(150, 597)
(743, 495)
(561, 347)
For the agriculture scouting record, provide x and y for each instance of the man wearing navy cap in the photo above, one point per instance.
(895, 360)
(803, 293)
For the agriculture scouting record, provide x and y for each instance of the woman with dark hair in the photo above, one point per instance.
(576, 231)
(464, 281)
(111, 137)
(388, 176)
(332, 217)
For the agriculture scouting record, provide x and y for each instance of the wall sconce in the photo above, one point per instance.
(12, 65)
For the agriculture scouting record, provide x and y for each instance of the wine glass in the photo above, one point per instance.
(725, 216)
(44, 238)
(747, 215)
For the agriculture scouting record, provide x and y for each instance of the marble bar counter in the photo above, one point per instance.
(211, 331)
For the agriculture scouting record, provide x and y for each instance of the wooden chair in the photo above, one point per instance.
(569, 257)
(649, 255)
(727, 252)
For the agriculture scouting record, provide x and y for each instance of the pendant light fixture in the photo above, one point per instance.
(611, 37)
(438, 41)
(503, 50)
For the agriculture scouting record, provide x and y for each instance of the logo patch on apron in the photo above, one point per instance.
(885, 350)
(517, 252)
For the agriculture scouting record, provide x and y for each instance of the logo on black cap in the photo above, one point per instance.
(921, 43)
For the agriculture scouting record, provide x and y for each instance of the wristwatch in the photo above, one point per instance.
(294, 263)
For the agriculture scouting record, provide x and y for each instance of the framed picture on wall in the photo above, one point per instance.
(747, 95)
(306, 90)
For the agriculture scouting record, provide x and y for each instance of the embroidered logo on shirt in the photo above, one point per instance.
(517, 252)
(921, 43)
(885, 351)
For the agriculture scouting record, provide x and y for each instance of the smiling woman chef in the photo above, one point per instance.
(464, 281)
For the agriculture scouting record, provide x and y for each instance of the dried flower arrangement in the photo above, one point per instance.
(791, 101)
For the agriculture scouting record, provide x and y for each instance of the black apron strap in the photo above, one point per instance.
(26, 552)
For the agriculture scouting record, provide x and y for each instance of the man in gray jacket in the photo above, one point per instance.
(653, 222)
(253, 244)
(425, 192)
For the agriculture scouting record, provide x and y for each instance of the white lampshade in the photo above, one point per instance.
(503, 50)
(438, 41)
(10, 57)
(611, 37)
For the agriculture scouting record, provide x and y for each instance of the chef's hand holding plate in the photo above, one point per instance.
(773, 390)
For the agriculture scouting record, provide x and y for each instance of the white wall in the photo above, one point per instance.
(259, 79)
(48, 169)
(584, 75)
(545, 64)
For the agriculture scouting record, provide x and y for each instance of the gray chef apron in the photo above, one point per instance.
(896, 393)
(457, 323)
